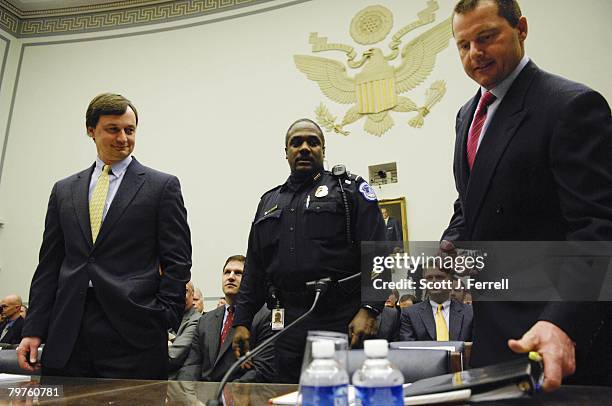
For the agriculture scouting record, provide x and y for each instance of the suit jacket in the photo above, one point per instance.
(13, 334)
(178, 351)
(144, 230)
(388, 324)
(393, 230)
(417, 322)
(542, 173)
(207, 362)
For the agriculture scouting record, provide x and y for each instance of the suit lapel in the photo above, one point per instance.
(426, 314)
(133, 180)
(455, 320)
(215, 334)
(80, 201)
(226, 345)
(508, 117)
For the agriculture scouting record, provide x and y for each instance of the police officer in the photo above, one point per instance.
(309, 228)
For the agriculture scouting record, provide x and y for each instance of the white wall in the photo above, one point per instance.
(215, 100)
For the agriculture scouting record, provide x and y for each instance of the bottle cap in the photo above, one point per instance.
(323, 349)
(376, 348)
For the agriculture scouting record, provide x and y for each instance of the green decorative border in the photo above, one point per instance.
(114, 19)
(9, 22)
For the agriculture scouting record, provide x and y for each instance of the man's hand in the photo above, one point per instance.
(240, 342)
(362, 326)
(447, 247)
(556, 348)
(28, 347)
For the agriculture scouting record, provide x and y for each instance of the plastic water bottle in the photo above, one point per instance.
(378, 382)
(324, 382)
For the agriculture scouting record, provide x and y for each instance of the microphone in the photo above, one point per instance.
(320, 287)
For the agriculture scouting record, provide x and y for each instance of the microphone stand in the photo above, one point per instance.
(320, 287)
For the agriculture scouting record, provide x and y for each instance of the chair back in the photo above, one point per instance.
(414, 365)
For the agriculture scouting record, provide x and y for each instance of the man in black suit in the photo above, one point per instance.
(11, 327)
(211, 352)
(532, 163)
(393, 230)
(388, 324)
(440, 318)
(114, 261)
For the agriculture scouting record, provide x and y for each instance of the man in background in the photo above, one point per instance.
(407, 301)
(211, 352)
(198, 300)
(11, 327)
(179, 342)
(114, 261)
(439, 318)
(393, 229)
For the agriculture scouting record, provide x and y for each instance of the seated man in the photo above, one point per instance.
(211, 352)
(179, 343)
(438, 319)
(407, 301)
(198, 300)
(10, 328)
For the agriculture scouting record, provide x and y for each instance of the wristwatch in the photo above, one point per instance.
(373, 311)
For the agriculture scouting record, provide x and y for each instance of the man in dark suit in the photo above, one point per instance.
(211, 352)
(393, 230)
(532, 163)
(440, 318)
(114, 261)
(388, 324)
(11, 327)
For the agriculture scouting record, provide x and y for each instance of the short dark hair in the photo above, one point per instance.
(412, 298)
(507, 9)
(239, 258)
(302, 120)
(107, 104)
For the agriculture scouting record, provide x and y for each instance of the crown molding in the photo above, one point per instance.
(101, 17)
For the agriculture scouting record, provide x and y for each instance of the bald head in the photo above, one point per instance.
(11, 306)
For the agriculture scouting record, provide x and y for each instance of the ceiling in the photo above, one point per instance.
(40, 8)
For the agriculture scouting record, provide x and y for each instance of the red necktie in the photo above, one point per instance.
(228, 324)
(479, 120)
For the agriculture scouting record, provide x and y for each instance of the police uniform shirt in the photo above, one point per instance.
(299, 235)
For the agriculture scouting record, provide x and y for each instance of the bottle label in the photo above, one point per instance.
(379, 396)
(324, 395)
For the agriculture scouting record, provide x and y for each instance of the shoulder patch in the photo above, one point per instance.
(367, 191)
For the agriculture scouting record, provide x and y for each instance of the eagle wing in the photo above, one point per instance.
(419, 56)
(330, 75)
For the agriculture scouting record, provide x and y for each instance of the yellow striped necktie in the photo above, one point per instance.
(441, 327)
(97, 202)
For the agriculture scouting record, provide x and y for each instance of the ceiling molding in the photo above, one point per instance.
(115, 5)
(102, 17)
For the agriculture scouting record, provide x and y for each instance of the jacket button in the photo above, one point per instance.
(499, 210)
(290, 228)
